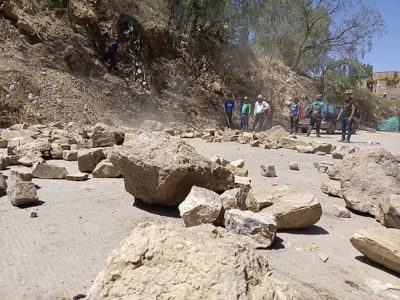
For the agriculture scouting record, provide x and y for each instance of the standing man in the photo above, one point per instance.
(315, 115)
(259, 112)
(245, 111)
(111, 54)
(346, 115)
(229, 106)
(295, 109)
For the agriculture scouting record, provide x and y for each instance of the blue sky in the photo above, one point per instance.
(385, 53)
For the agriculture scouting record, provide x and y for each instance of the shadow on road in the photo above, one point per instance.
(171, 212)
(37, 203)
(371, 263)
(313, 230)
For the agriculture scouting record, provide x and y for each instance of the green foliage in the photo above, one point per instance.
(392, 81)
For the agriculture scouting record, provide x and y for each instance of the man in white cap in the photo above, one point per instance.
(259, 112)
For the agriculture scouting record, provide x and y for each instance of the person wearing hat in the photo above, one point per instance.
(346, 115)
(259, 112)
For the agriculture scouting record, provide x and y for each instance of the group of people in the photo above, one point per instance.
(317, 112)
(261, 110)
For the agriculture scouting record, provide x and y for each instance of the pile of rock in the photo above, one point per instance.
(32, 146)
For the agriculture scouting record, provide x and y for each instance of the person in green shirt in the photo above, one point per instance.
(245, 111)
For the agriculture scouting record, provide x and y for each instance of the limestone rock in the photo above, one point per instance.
(89, 158)
(294, 165)
(231, 199)
(70, 155)
(342, 151)
(219, 160)
(322, 147)
(3, 184)
(49, 171)
(77, 177)
(260, 227)
(3, 143)
(255, 143)
(8, 134)
(161, 169)
(268, 171)
(238, 171)
(246, 138)
(40, 146)
(389, 211)
(276, 133)
(19, 126)
(17, 141)
(381, 245)
(20, 192)
(295, 210)
(150, 125)
(107, 136)
(239, 163)
(187, 135)
(56, 151)
(201, 206)
(341, 212)
(146, 263)
(367, 176)
(331, 187)
(105, 169)
(305, 149)
(21, 173)
(259, 198)
(291, 143)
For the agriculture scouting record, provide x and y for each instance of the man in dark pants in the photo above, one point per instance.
(229, 106)
(295, 110)
(346, 115)
(259, 112)
(111, 54)
(315, 115)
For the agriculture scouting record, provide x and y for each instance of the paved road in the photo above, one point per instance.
(59, 253)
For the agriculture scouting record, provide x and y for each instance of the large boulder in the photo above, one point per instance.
(89, 158)
(105, 169)
(20, 190)
(161, 169)
(8, 134)
(259, 198)
(366, 177)
(17, 141)
(322, 147)
(49, 171)
(3, 185)
(168, 261)
(246, 138)
(260, 227)
(389, 211)
(107, 136)
(233, 198)
(381, 245)
(295, 210)
(201, 206)
(40, 147)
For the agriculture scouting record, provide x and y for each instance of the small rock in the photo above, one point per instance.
(291, 143)
(88, 159)
(323, 257)
(331, 187)
(322, 147)
(341, 212)
(233, 198)
(255, 143)
(49, 171)
(105, 169)
(77, 177)
(201, 206)
(268, 171)
(294, 165)
(70, 155)
(260, 227)
(239, 163)
(389, 211)
(34, 214)
(305, 149)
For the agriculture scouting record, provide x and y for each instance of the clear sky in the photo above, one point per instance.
(385, 53)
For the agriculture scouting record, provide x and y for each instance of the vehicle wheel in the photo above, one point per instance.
(331, 129)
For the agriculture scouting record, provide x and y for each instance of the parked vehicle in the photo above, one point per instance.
(329, 123)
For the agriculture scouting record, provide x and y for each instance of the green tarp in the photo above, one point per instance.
(390, 125)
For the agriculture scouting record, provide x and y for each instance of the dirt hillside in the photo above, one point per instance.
(52, 67)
